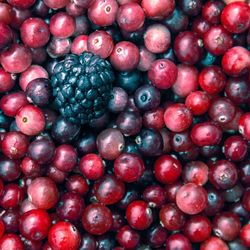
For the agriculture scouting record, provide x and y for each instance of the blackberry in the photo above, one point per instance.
(82, 86)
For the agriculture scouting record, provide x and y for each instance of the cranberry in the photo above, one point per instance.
(139, 215)
(191, 198)
(15, 145)
(103, 12)
(244, 235)
(200, 26)
(79, 45)
(11, 242)
(77, 184)
(35, 224)
(188, 47)
(56, 5)
(7, 80)
(58, 47)
(128, 238)
(244, 127)
(64, 236)
(6, 35)
(97, 219)
(167, 169)
(154, 195)
(43, 192)
(2, 228)
(211, 11)
(214, 243)
(235, 17)
(19, 16)
(163, 73)
(158, 9)
(6, 13)
(10, 104)
(11, 219)
(74, 10)
(245, 199)
(30, 120)
(9, 169)
(223, 174)
(55, 174)
(130, 17)
(186, 81)
(88, 242)
(125, 56)
(146, 59)
(109, 190)
(178, 241)
(154, 119)
(177, 117)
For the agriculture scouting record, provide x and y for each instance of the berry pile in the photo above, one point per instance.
(124, 125)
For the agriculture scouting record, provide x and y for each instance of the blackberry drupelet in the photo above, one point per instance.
(82, 87)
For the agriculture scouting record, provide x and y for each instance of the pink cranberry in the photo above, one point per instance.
(43, 193)
(58, 47)
(100, 43)
(56, 175)
(244, 125)
(7, 81)
(214, 243)
(154, 119)
(79, 45)
(130, 17)
(146, 59)
(6, 35)
(125, 56)
(191, 198)
(158, 9)
(21, 4)
(244, 235)
(200, 26)
(62, 25)
(65, 158)
(74, 10)
(30, 120)
(122, 2)
(27, 206)
(178, 241)
(6, 13)
(15, 145)
(236, 61)
(157, 38)
(187, 80)
(30, 168)
(34, 32)
(163, 73)
(103, 12)
(235, 17)
(10, 104)
(33, 72)
(56, 4)
(91, 166)
(64, 236)
(16, 59)
(2, 228)
(11, 242)
(178, 117)
(211, 11)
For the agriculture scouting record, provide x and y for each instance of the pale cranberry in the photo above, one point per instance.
(146, 59)
(58, 47)
(79, 45)
(74, 10)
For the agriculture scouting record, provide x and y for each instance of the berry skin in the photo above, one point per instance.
(244, 125)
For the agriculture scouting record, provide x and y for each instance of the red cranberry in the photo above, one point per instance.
(205, 134)
(79, 45)
(171, 217)
(235, 17)
(30, 120)
(91, 166)
(246, 199)
(56, 4)
(226, 225)
(167, 169)
(74, 10)
(171, 190)
(77, 184)
(100, 43)
(154, 195)
(12, 196)
(178, 241)
(43, 193)
(157, 38)
(11, 218)
(6, 35)
(21, 4)
(130, 17)
(35, 224)
(2, 228)
(7, 80)
(9, 169)
(34, 32)
(139, 215)
(32, 73)
(110, 143)
(212, 79)
(125, 56)
(158, 9)
(56, 175)
(103, 12)
(128, 238)
(200, 26)
(109, 190)
(15, 145)
(163, 73)
(6, 13)
(154, 119)
(217, 40)
(64, 236)
(146, 59)
(188, 47)
(244, 125)
(128, 167)
(16, 59)
(177, 117)
(244, 235)
(211, 11)
(191, 198)
(11, 242)
(10, 104)
(198, 228)
(236, 61)
(223, 174)
(58, 47)
(97, 219)
(187, 80)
